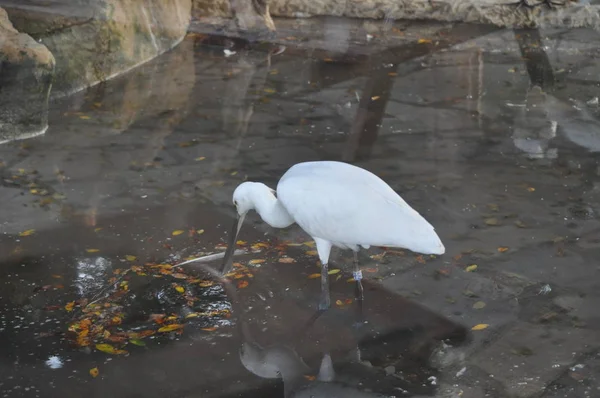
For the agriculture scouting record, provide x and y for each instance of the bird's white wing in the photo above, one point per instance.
(345, 204)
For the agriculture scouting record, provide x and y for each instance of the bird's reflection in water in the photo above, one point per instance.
(281, 361)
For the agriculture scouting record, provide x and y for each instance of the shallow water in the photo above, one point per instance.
(139, 172)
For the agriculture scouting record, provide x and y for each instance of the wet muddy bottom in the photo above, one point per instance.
(136, 175)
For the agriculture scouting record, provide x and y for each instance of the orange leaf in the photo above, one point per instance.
(69, 306)
(286, 260)
(420, 259)
(94, 372)
(211, 329)
(242, 284)
(424, 41)
(314, 276)
(502, 249)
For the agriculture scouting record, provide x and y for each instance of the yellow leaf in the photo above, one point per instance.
(69, 306)
(180, 289)
(502, 249)
(27, 233)
(314, 276)
(333, 271)
(109, 349)
(286, 260)
(311, 253)
(179, 275)
(309, 243)
(480, 326)
(92, 250)
(270, 91)
(424, 41)
(94, 372)
(200, 231)
(471, 268)
(192, 315)
(339, 302)
(206, 283)
(375, 98)
(200, 158)
(233, 173)
(241, 242)
(177, 232)
(33, 191)
(171, 327)
(129, 257)
(97, 229)
(256, 261)
(531, 189)
(84, 117)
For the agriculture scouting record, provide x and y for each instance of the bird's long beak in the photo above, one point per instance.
(235, 230)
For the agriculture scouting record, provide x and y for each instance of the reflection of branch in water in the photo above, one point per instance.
(536, 60)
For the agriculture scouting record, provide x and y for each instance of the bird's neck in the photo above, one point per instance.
(272, 211)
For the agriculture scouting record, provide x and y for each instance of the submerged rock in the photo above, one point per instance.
(26, 69)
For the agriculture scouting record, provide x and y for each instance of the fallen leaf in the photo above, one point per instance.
(242, 284)
(94, 372)
(493, 221)
(206, 283)
(199, 158)
(256, 261)
(170, 328)
(531, 189)
(392, 74)
(129, 257)
(479, 305)
(69, 306)
(471, 268)
(92, 250)
(286, 260)
(520, 224)
(424, 41)
(177, 232)
(211, 329)
(314, 276)
(480, 326)
(270, 91)
(180, 289)
(502, 249)
(311, 253)
(333, 271)
(97, 229)
(179, 275)
(420, 259)
(309, 243)
(375, 97)
(27, 232)
(137, 342)
(310, 378)
(339, 302)
(109, 349)
(200, 231)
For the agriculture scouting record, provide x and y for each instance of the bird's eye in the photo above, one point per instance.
(235, 203)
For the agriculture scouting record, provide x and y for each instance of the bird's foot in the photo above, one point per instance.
(525, 3)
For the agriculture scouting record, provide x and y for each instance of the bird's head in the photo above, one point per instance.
(245, 198)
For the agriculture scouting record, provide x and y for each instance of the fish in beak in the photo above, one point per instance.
(235, 230)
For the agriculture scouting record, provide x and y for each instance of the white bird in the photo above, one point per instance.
(337, 204)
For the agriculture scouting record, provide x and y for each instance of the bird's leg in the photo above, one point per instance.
(325, 301)
(358, 291)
